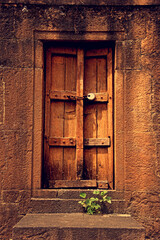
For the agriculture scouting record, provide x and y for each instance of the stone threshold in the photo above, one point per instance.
(78, 226)
(78, 220)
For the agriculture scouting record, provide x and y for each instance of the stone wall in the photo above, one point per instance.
(134, 28)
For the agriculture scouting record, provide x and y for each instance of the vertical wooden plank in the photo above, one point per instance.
(70, 170)
(71, 69)
(57, 117)
(69, 164)
(48, 84)
(58, 73)
(90, 76)
(90, 166)
(47, 117)
(90, 122)
(110, 114)
(79, 113)
(102, 74)
(102, 123)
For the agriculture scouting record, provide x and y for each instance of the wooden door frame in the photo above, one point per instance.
(38, 100)
(81, 149)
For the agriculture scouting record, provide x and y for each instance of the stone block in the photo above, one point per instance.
(39, 54)
(20, 198)
(137, 101)
(106, 20)
(150, 44)
(119, 101)
(119, 161)
(119, 55)
(78, 226)
(140, 162)
(78, 19)
(119, 128)
(136, 24)
(18, 99)
(144, 203)
(8, 218)
(132, 54)
(70, 205)
(16, 53)
(18, 160)
(24, 25)
(7, 23)
(70, 193)
(127, 55)
(151, 64)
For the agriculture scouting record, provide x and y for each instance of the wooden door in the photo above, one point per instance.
(78, 134)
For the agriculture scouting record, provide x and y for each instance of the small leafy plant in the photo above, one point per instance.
(93, 205)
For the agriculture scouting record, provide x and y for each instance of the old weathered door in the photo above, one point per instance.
(78, 134)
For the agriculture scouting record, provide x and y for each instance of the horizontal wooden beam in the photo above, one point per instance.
(71, 142)
(71, 95)
(62, 95)
(63, 142)
(72, 183)
(97, 52)
(97, 142)
(101, 97)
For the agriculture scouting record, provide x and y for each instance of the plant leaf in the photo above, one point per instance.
(83, 195)
(96, 192)
(97, 207)
(94, 199)
(88, 202)
(105, 191)
(108, 199)
(102, 194)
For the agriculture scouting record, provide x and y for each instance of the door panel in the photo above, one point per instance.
(95, 115)
(78, 138)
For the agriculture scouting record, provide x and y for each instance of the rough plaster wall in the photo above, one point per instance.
(138, 64)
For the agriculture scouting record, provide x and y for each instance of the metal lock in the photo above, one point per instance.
(91, 96)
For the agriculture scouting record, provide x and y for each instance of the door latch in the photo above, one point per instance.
(91, 96)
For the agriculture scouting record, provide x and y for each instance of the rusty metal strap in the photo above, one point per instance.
(71, 95)
(71, 142)
(64, 142)
(106, 142)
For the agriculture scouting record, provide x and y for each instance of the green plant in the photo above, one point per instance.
(94, 204)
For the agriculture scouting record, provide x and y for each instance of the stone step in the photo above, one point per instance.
(78, 226)
(56, 205)
(66, 201)
(71, 193)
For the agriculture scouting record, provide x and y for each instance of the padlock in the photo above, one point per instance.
(91, 96)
